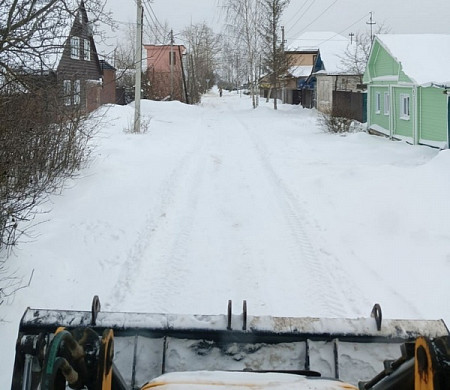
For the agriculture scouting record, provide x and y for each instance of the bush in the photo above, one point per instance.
(335, 122)
(42, 143)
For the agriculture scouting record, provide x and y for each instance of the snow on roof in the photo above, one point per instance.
(331, 46)
(42, 49)
(425, 58)
(300, 70)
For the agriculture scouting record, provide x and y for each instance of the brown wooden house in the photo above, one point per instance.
(70, 68)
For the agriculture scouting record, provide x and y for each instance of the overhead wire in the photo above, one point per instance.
(345, 29)
(298, 11)
(301, 16)
(157, 24)
(322, 13)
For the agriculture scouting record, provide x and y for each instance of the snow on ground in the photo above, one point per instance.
(219, 201)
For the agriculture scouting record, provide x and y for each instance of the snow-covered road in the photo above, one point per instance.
(225, 225)
(220, 201)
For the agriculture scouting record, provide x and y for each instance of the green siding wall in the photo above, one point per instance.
(433, 114)
(378, 118)
(403, 127)
(382, 64)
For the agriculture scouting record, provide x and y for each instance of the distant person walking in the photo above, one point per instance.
(220, 92)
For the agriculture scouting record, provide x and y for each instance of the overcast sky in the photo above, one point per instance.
(340, 16)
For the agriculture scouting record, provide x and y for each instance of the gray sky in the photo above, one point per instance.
(340, 16)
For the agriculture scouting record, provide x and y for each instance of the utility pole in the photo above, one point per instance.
(283, 41)
(351, 35)
(137, 81)
(171, 64)
(371, 23)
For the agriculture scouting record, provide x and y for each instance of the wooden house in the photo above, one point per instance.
(330, 77)
(408, 77)
(315, 65)
(68, 67)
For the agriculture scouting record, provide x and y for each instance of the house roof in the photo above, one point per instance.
(104, 65)
(44, 48)
(300, 71)
(331, 46)
(424, 58)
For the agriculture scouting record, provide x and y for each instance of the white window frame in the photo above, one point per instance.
(405, 102)
(387, 103)
(67, 89)
(77, 92)
(86, 50)
(377, 102)
(75, 48)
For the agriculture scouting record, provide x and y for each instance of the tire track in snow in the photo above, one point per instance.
(127, 286)
(345, 296)
(332, 301)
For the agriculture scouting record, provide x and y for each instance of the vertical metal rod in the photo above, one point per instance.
(336, 358)
(307, 361)
(244, 315)
(133, 371)
(26, 381)
(163, 365)
(229, 314)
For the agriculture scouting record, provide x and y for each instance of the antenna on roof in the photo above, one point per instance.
(351, 35)
(371, 23)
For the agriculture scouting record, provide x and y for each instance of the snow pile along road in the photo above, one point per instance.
(220, 201)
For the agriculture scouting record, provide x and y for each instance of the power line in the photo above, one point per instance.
(155, 23)
(345, 29)
(321, 14)
(302, 15)
(298, 11)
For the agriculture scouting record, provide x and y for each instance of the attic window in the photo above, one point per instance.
(75, 48)
(87, 50)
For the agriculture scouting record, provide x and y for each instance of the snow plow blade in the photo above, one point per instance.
(149, 345)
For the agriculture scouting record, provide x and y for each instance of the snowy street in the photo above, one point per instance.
(220, 201)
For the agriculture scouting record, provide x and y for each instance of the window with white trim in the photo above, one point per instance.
(404, 106)
(377, 103)
(67, 89)
(387, 103)
(75, 48)
(87, 50)
(76, 92)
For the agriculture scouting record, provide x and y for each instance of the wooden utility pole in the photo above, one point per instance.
(171, 64)
(138, 68)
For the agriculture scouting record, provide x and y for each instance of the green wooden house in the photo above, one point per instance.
(407, 77)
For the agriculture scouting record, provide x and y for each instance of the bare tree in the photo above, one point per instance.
(42, 142)
(244, 17)
(354, 59)
(275, 59)
(203, 47)
(233, 69)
